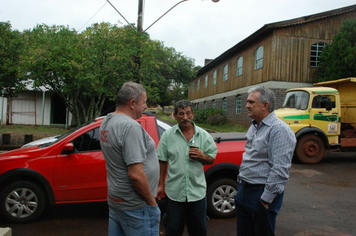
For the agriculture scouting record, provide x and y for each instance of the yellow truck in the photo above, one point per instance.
(323, 118)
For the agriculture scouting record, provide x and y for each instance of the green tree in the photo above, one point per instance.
(338, 60)
(170, 73)
(87, 69)
(110, 54)
(10, 51)
(53, 59)
(82, 69)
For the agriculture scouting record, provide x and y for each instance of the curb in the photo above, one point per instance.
(5, 231)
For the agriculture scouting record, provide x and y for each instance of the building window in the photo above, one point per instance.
(224, 104)
(226, 71)
(197, 105)
(204, 105)
(206, 81)
(238, 104)
(239, 66)
(214, 77)
(193, 86)
(213, 104)
(259, 58)
(198, 85)
(315, 52)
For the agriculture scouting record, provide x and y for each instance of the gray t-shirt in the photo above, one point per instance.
(124, 142)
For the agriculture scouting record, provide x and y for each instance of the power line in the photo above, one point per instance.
(92, 16)
(119, 13)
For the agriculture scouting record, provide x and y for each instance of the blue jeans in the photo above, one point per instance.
(180, 213)
(253, 219)
(140, 222)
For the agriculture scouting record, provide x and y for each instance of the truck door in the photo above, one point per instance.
(324, 119)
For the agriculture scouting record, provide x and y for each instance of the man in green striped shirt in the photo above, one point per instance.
(182, 152)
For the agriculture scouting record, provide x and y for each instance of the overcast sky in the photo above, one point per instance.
(197, 28)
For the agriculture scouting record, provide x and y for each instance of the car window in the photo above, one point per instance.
(162, 127)
(160, 131)
(320, 101)
(89, 141)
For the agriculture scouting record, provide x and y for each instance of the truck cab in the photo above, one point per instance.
(313, 113)
(323, 118)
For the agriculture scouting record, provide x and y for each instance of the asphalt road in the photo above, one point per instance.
(319, 201)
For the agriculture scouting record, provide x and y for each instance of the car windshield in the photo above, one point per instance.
(296, 99)
(161, 128)
(62, 136)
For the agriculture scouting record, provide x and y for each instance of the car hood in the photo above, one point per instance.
(27, 152)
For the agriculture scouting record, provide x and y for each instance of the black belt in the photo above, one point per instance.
(245, 184)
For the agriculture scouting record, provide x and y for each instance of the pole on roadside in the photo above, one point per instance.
(140, 29)
(140, 16)
(2, 106)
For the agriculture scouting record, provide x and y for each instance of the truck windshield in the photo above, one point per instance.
(297, 100)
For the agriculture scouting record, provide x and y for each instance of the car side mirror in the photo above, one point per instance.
(68, 148)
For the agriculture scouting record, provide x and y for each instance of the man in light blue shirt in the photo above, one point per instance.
(182, 152)
(264, 170)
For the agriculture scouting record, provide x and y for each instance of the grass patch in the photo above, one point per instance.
(166, 117)
(224, 128)
(217, 128)
(48, 131)
(32, 129)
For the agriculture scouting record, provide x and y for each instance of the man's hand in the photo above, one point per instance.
(196, 154)
(139, 181)
(160, 191)
(265, 204)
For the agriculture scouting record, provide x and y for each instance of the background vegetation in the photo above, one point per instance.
(338, 60)
(86, 69)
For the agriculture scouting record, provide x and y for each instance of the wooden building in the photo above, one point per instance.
(280, 55)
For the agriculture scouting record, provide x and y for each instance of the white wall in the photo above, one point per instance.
(27, 107)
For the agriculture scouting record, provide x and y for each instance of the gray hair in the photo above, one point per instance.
(129, 90)
(266, 95)
(182, 104)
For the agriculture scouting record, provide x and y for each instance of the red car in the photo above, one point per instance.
(71, 169)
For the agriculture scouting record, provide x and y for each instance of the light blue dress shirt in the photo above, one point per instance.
(268, 155)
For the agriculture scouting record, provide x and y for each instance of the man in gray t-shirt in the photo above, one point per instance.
(132, 166)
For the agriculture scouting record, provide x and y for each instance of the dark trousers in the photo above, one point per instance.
(253, 219)
(180, 213)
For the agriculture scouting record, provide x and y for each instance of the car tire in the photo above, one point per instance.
(220, 198)
(22, 202)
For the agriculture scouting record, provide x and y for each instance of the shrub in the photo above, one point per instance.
(202, 115)
(216, 119)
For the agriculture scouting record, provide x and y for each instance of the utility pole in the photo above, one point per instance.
(140, 29)
(140, 16)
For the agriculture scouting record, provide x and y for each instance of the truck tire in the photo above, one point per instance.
(220, 198)
(21, 202)
(310, 149)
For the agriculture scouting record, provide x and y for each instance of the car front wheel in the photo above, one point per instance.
(220, 198)
(21, 202)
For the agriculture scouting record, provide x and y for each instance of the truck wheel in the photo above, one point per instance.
(21, 202)
(220, 198)
(310, 149)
